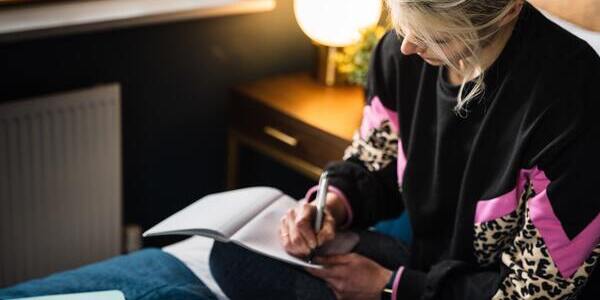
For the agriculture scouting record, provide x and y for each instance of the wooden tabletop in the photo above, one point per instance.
(335, 110)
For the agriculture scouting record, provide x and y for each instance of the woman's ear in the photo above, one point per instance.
(512, 13)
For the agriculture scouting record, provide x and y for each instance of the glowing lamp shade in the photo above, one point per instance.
(336, 23)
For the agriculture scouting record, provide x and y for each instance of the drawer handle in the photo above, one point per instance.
(279, 135)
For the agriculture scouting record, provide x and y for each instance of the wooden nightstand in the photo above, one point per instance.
(294, 120)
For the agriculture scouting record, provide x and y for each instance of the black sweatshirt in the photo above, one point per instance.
(503, 203)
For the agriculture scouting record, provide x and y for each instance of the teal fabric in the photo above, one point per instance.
(398, 228)
(143, 275)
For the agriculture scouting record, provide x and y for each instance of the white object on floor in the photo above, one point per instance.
(104, 295)
(194, 253)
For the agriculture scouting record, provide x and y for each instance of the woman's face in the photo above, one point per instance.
(453, 50)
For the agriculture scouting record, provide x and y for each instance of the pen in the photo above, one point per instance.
(321, 197)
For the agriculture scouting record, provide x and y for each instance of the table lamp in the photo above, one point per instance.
(332, 24)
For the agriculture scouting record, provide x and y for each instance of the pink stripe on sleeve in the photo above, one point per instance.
(310, 193)
(339, 194)
(502, 205)
(492, 209)
(374, 114)
(400, 163)
(538, 179)
(397, 282)
(568, 255)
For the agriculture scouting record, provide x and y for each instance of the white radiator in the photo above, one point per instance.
(60, 182)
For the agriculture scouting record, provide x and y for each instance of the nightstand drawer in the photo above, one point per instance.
(272, 128)
(293, 120)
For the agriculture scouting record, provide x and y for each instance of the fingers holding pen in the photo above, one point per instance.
(327, 232)
(292, 240)
(297, 232)
(284, 234)
(296, 238)
(304, 224)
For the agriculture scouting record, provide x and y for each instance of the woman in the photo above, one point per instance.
(480, 123)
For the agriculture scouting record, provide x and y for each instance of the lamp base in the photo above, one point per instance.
(326, 72)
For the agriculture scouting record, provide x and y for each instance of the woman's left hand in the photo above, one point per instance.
(352, 276)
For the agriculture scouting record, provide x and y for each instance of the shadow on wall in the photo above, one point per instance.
(174, 80)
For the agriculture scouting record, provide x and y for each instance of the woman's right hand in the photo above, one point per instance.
(297, 232)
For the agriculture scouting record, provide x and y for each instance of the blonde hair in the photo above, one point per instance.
(472, 23)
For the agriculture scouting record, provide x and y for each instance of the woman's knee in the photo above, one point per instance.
(240, 273)
(243, 274)
(223, 258)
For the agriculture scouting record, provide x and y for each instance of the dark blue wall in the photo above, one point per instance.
(175, 79)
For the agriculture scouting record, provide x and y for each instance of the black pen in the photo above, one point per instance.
(321, 197)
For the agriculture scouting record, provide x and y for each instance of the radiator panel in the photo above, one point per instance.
(60, 182)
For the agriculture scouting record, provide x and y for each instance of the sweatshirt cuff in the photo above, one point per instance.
(409, 284)
(332, 189)
(396, 281)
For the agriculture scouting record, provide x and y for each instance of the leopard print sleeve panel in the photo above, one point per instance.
(526, 236)
(498, 220)
(376, 144)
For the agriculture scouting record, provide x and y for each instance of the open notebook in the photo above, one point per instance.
(249, 217)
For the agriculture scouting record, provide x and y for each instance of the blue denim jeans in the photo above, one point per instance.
(243, 274)
(149, 274)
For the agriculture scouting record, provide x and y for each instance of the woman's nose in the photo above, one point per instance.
(409, 48)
